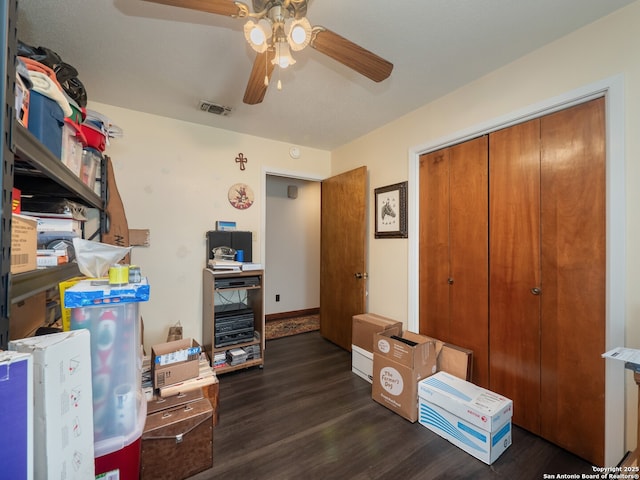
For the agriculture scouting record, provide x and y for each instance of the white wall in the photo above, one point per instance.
(173, 178)
(607, 48)
(292, 260)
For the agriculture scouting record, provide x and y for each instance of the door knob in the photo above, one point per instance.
(536, 291)
(450, 281)
(360, 276)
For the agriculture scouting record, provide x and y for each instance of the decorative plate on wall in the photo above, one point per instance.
(241, 196)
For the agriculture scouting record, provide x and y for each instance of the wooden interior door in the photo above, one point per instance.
(342, 254)
(454, 249)
(573, 211)
(514, 280)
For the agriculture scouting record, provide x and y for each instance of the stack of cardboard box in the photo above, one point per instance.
(423, 378)
(177, 441)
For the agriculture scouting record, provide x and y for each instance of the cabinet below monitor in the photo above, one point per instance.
(233, 319)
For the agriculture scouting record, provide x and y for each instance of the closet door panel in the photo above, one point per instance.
(514, 266)
(573, 273)
(469, 253)
(434, 244)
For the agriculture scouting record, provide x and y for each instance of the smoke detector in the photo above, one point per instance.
(214, 108)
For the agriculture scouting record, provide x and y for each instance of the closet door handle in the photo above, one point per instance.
(450, 281)
(536, 291)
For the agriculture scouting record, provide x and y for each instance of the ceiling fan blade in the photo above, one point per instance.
(256, 88)
(348, 53)
(219, 7)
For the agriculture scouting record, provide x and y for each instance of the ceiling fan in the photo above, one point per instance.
(274, 28)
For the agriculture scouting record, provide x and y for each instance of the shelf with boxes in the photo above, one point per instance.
(233, 319)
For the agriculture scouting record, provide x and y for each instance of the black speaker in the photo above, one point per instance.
(234, 239)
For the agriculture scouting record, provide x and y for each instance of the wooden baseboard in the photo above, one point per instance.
(631, 459)
(292, 314)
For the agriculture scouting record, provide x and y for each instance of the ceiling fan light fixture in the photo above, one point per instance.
(283, 56)
(298, 33)
(257, 34)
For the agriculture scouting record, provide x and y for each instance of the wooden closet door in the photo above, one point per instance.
(434, 244)
(573, 279)
(514, 266)
(469, 253)
(454, 249)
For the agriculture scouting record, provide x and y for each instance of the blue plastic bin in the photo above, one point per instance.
(46, 121)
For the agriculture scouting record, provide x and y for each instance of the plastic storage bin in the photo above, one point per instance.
(73, 141)
(46, 120)
(119, 457)
(111, 314)
(91, 160)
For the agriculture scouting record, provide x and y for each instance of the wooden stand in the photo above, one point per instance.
(253, 299)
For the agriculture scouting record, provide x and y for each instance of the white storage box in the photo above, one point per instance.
(483, 445)
(362, 363)
(474, 404)
(471, 417)
(63, 407)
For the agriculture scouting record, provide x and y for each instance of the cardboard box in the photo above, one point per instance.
(206, 377)
(471, 417)
(63, 407)
(27, 316)
(16, 415)
(178, 443)
(484, 445)
(362, 363)
(175, 362)
(397, 369)
(474, 404)
(24, 243)
(366, 325)
(455, 360)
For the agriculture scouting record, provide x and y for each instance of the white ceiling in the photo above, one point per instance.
(164, 60)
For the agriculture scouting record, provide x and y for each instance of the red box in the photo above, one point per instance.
(16, 203)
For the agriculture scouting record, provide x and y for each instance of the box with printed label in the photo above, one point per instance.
(63, 406)
(174, 362)
(475, 405)
(24, 243)
(399, 363)
(482, 444)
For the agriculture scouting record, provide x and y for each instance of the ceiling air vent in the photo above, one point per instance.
(214, 108)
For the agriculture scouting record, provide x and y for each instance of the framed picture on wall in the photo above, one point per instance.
(391, 211)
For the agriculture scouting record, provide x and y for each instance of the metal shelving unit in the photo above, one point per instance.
(28, 165)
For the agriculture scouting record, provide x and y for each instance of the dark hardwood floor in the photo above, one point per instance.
(305, 415)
